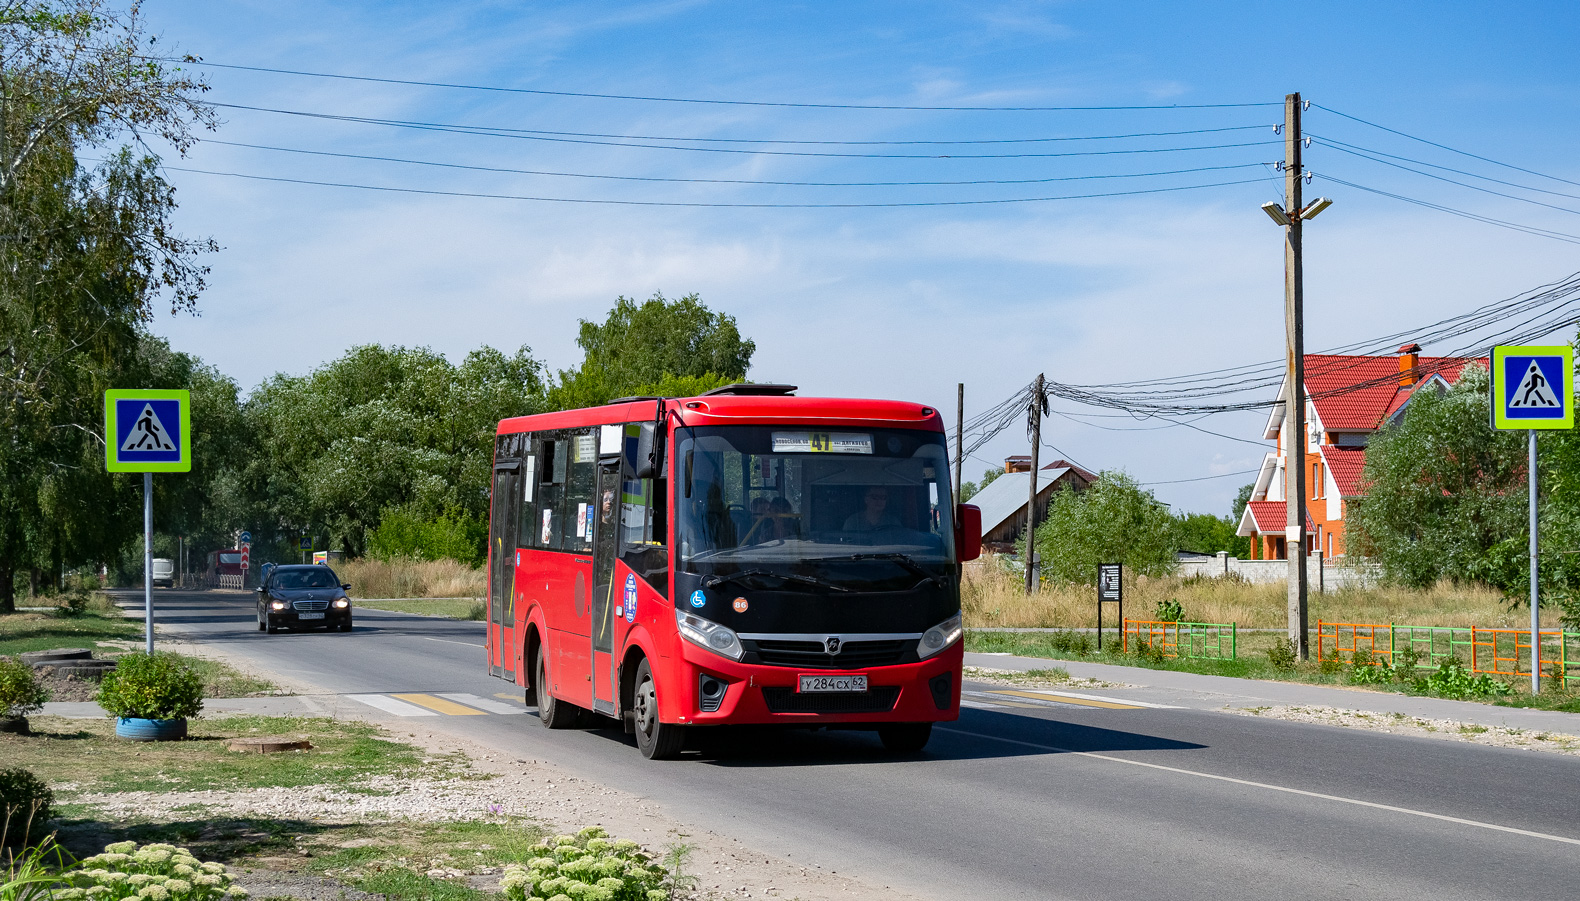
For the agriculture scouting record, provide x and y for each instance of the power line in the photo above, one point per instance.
(1204, 478)
(671, 203)
(1442, 178)
(516, 134)
(1342, 145)
(1473, 156)
(711, 101)
(1501, 223)
(728, 181)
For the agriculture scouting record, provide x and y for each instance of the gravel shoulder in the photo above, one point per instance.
(1401, 724)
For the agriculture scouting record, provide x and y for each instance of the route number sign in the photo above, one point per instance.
(1533, 387)
(147, 430)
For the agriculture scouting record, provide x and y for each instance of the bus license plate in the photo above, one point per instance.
(309, 616)
(833, 683)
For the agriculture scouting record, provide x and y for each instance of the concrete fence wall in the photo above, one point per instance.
(1322, 574)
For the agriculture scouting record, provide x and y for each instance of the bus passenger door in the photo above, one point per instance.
(606, 595)
(502, 569)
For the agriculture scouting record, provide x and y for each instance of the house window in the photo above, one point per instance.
(1316, 479)
(1330, 545)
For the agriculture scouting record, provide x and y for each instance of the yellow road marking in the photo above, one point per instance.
(440, 705)
(1080, 702)
(508, 695)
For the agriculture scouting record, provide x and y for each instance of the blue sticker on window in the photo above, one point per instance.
(630, 597)
(698, 599)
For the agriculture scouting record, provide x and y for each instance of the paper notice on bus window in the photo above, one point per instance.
(822, 443)
(586, 448)
(548, 522)
(581, 520)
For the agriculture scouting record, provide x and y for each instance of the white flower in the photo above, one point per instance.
(178, 886)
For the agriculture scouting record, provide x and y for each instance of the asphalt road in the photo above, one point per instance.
(1049, 800)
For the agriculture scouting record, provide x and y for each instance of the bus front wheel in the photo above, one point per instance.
(554, 713)
(905, 738)
(657, 740)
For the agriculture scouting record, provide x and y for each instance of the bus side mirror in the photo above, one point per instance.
(968, 532)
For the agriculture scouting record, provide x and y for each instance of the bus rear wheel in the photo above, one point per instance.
(657, 740)
(554, 713)
(905, 738)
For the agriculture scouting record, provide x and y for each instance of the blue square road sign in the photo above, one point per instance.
(147, 430)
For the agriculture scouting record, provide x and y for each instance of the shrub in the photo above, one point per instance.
(452, 536)
(20, 691)
(26, 803)
(72, 605)
(1452, 680)
(586, 866)
(1170, 611)
(1364, 670)
(156, 872)
(151, 686)
(1282, 655)
(1330, 666)
(1077, 643)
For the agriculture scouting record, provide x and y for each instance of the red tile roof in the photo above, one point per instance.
(1356, 393)
(1271, 517)
(1345, 463)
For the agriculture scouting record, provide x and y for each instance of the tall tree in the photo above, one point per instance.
(659, 347)
(85, 253)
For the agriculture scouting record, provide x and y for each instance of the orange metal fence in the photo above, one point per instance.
(1500, 652)
(1199, 640)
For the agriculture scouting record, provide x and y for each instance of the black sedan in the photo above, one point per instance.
(303, 597)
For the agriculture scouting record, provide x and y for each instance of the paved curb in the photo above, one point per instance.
(1217, 692)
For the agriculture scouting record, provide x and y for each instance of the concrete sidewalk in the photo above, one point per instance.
(281, 705)
(1200, 692)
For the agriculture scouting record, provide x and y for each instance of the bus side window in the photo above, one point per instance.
(550, 522)
(642, 507)
(580, 487)
(529, 528)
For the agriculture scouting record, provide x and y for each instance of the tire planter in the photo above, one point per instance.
(137, 729)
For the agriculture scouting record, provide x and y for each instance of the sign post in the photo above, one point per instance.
(1533, 389)
(147, 431)
(1110, 590)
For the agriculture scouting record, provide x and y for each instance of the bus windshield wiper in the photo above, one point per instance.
(904, 561)
(714, 580)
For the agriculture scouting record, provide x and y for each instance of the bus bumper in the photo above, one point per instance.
(923, 692)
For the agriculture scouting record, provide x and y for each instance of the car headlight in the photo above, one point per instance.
(939, 637)
(277, 605)
(708, 634)
(342, 603)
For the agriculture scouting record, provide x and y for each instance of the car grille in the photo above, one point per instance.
(854, 654)
(311, 605)
(880, 699)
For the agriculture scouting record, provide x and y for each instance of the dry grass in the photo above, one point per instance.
(404, 578)
(992, 596)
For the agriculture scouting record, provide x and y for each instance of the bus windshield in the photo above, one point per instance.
(792, 494)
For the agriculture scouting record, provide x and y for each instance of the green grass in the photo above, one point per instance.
(1564, 701)
(223, 681)
(455, 608)
(86, 753)
(392, 859)
(22, 632)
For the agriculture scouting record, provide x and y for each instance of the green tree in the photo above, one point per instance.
(656, 348)
(1444, 492)
(377, 431)
(1113, 521)
(1241, 501)
(85, 255)
(1204, 533)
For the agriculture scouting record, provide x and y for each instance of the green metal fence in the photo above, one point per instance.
(1503, 652)
(1195, 640)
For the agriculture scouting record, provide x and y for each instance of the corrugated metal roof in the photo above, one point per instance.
(1268, 518)
(1345, 463)
(1005, 496)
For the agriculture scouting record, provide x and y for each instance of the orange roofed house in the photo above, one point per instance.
(1348, 399)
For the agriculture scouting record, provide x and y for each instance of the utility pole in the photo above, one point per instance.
(1295, 381)
(1031, 503)
(960, 435)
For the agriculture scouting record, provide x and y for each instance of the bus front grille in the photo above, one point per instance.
(810, 654)
(880, 699)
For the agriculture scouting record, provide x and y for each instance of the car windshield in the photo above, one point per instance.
(779, 494)
(317, 577)
(230, 559)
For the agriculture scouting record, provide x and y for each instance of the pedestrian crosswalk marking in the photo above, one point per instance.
(440, 705)
(483, 704)
(1051, 698)
(390, 705)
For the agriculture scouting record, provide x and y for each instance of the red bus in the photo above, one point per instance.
(745, 556)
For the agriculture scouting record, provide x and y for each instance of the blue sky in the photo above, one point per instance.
(899, 301)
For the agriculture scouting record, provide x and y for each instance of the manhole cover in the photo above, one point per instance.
(269, 744)
(37, 658)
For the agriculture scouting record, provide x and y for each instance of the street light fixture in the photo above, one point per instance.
(1275, 213)
(1313, 208)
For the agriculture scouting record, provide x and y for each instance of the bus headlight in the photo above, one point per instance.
(708, 634)
(939, 637)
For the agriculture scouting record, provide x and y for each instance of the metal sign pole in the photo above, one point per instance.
(1536, 633)
(148, 558)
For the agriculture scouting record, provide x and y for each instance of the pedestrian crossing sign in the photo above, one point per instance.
(147, 430)
(1533, 387)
